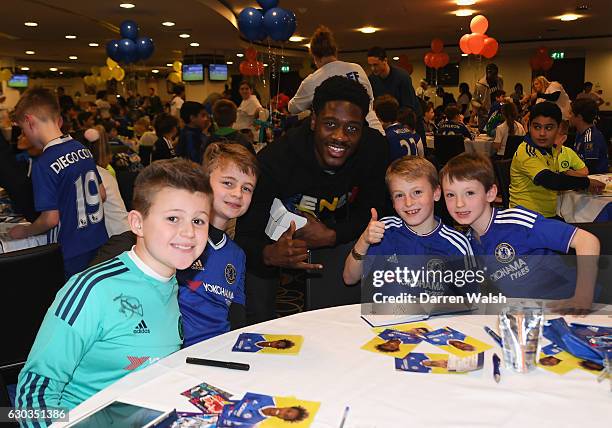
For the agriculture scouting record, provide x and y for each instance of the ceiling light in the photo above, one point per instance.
(155, 70)
(229, 62)
(31, 24)
(265, 65)
(239, 55)
(53, 69)
(569, 17)
(73, 57)
(169, 64)
(194, 44)
(465, 2)
(464, 12)
(168, 24)
(25, 68)
(184, 36)
(396, 58)
(70, 36)
(61, 72)
(296, 38)
(464, 54)
(127, 5)
(30, 52)
(368, 30)
(307, 45)
(94, 45)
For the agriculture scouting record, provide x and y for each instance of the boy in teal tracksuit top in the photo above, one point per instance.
(122, 315)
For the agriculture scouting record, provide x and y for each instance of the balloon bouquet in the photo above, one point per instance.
(478, 43)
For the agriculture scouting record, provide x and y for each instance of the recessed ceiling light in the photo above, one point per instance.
(296, 38)
(239, 55)
(94, 45)
(155, 70)
(464, 12)
(465, 2)
(30, 52)
(127, 5)
(396, 58)
(569, 17)
(61, 72)
(307, 45)
(184, 36)
(229, 62)
(168, 24)
(368, 30)
(31, 24)
(25, 68)
(194, 44)
(70, 36)
(53, 69)
(464, 54)
(265, 65)
(73, 57)
(169, 64)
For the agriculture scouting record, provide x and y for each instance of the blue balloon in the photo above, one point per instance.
(112, 50)
(251, 24)
(128, 51)
(267, 4)
(277, 24)
(129, 30)
(292, 23)
(145, 47)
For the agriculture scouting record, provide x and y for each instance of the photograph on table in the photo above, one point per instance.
(418, 329)
(439, 363)
(285, 344)
(456, 342)
(556, 360)
(393, 343)
(258, 410)
(194, 420)
(209, 399)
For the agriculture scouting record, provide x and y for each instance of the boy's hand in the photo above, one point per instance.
(288, 252)
(596, 186)
(375, 231)
(19, 232)
(316, 234)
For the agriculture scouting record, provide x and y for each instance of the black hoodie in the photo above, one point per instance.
(290, 172)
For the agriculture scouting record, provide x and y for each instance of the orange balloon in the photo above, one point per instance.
(428, 59)
(479, 24)
(463, 44)
(542, 51)
(444, 59)
(437, 45)
(534, 63)
(490, 47)
(476, 43)
(251, 54)
(547, 63)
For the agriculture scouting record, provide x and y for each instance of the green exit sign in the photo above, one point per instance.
(557, 55)
(285, 68)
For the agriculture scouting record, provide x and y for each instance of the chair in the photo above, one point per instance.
(512, 143)
(146, 154)
(125, 180)
(447, 147)
(502, 173)
(38, 274)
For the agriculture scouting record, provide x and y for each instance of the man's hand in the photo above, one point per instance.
(19, 232)
(596, 186)
(575, 306)
(288, 252)
(316, 234)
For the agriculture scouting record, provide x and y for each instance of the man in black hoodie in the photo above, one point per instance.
(331, 170)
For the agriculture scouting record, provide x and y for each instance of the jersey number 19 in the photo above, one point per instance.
(85, 197)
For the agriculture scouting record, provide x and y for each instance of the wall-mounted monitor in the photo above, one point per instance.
(18, 81)
(445, 76)
(217, 71)
(193, 72)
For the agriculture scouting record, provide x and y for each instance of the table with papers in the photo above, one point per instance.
(581, 207)
(332, 369)
(482, 144)
(9, 219)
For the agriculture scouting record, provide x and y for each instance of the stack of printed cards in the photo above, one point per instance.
(209, 399)
(439, 363)
(558, 361)
(285, 344)
(193, 420)
(455, 342)
(258, 410)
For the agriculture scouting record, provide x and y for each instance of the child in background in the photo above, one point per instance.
(401, 137)
(453, 125)
(568, 161)
(509, 127)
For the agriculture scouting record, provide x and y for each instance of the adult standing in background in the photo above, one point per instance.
(177, 101)
(587, 92)
(324, 51)
(249, 108)
(394, 81)
(65, 101)
(464, 99)
(550, 91)
(517, 95)
(483, 93)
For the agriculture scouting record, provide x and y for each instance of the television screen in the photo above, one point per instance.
(193, 72)
(18, 81)
(217, 71)
(445, 76)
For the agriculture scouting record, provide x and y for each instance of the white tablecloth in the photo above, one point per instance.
(7, 244)
(483, 145)
(331, 368)
(580, 207)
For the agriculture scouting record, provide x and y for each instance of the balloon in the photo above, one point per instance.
(476, 43)
(177, 66)
(105, 73)
(6, 74)
(112, 50)
(251, 24)
(248, 68)
(479, 24)
(129, 30)
(95, 70)
(99, 80)
(128, 51)
(251, 54)
(267, 4)
(534, 63)
(89, 80)
(110, 63)
(437, 45)
(292, 23)
(444, 59)
(277, 24)
(118, 74)
(542, 51)
(174, 77)
(427, 59)
(145, 47)
(490, 47)
(463, 44)
(404, 62)
(547, 63)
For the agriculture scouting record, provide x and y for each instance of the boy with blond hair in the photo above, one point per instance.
(122, 315)
(211, 292)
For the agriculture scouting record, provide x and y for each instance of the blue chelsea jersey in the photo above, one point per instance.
(591, 147)
(65, 178)
(403, 142)
(207, 289)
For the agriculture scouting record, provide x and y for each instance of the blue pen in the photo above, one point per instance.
(494, 335)
(346, 410)
(496, 373)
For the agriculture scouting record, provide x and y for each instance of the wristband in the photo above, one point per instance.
(356, 255)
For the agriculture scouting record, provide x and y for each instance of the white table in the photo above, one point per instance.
(333, 370)
(580, 207)
(481, 144)
(7, 244)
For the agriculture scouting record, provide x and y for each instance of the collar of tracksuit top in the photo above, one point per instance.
(543, 150)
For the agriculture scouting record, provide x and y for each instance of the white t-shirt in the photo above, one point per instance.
(115, 214)
(563, 101)
(175, 106)
(247, 113)
(303, 97)
(501, 135)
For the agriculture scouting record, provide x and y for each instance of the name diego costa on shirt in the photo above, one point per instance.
(69, 158)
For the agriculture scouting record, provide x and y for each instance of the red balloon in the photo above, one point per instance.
(251, 54)
(542, 51)
(463, 44)
(249, 68)
(444, 59)
(437, 45)
(404, 62)
(479, 24)
(547, 63)
(476, 43)
(427, 59)
(490, 47)
(534, 63)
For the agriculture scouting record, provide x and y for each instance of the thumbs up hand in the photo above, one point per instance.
(375, 231)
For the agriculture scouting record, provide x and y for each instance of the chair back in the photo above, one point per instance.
(502, 173)
(125, 180)
(512, 144)
(146, 154)
(447, 147)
